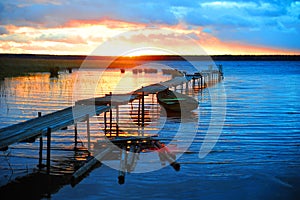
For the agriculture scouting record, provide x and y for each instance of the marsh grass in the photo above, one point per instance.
(22, 64)
(11, 66)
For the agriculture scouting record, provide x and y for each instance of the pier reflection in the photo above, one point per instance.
(133, 129)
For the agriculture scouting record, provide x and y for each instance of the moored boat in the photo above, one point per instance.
(176, 102)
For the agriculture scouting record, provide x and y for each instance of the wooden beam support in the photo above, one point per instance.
(143, 109)
(117, 119)
(75, 135)
(88, 131)
(105, 124)
(48, 149)
(40, 165)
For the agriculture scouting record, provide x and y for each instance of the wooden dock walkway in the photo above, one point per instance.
(84, 109)
(119, 99)
(38, 126)
(62, 118)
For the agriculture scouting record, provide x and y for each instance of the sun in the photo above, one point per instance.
(146, 51)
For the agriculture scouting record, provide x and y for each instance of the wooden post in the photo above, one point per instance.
(40, 165)
(75, 135)
(201, 79)
(143, 109)
(88, 131)
(143, 113)
(110, 116)
(121, 177)
(117, 119)
(186, 87)
(69, 70)
(105, 125)
(181, 88)
(132, 157)
(48, 149)
(110, 121)
(152, 99)
(139, 111)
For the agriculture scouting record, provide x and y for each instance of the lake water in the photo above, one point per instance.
(257, 155)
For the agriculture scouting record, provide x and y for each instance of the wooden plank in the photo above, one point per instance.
(32, 122)
(38, 126)
(151, 89)
(114, 99)
(119, 99)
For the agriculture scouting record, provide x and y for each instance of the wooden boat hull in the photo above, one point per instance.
(176, 102)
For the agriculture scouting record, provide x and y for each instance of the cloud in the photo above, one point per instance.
(3, 31)
(233, 13)
(257, 22)
(16, 38)
(270, 23)
(66, 38)
(170, 12)
(237, 13)
(51, 15)
(29, 35)
(192, 43)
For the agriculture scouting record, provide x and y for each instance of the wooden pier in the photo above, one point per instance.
(38, 126)
(44, 125)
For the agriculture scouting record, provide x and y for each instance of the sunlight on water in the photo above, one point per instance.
(22, 97)
(257, 153)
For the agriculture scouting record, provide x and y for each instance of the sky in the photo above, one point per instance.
(78, 27)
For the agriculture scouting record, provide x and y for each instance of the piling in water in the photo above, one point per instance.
(54, 72)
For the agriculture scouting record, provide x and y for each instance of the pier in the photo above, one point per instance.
(42, 126)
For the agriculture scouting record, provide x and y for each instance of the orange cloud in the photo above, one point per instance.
(214, 47)
(112, 24)
(83, 36)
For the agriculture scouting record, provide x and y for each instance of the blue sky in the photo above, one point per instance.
(267, 26)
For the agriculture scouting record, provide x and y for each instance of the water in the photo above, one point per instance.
(256, 157)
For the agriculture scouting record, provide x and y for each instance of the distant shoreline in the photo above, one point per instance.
(21, 64)
(159, 57)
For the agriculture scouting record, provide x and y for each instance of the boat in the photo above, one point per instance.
(176, 102)
(122, 71)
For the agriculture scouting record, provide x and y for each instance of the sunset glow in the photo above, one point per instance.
(58, 27)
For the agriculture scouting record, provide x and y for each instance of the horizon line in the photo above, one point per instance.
(146, 55)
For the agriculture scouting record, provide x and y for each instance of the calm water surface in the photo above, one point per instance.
(256, 157)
